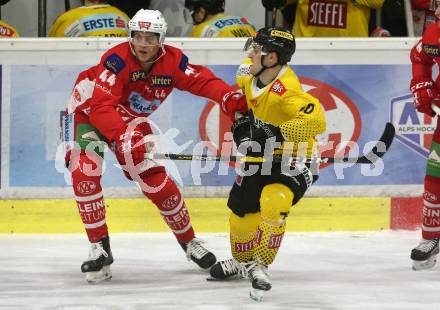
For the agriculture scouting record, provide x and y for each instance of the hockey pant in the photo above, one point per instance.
(84, 157)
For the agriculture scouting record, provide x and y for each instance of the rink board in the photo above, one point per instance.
(37, 78)
(208, 215)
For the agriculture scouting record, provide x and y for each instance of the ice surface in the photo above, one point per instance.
(328, 271)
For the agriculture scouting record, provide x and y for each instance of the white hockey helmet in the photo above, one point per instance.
(148, 21)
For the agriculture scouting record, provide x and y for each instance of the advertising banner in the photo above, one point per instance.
(358, 101)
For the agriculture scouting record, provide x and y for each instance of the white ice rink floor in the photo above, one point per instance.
(331, 271)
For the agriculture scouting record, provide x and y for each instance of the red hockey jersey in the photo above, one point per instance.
(426, 53)
(122, 91)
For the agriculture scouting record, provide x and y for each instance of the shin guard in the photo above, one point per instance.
(86, 181)
(163, 192)
(242, 235)
(275, 201)
(431, 208)
(431, 195)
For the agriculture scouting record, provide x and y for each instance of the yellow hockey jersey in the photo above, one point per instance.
(334, 18)
(222, 25)
(284, 104)
(91, 21)
(7, 31)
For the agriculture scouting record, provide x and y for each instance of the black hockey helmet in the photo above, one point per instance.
(211, 6)
(274, 39)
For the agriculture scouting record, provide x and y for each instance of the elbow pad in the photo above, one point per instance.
(301, 130)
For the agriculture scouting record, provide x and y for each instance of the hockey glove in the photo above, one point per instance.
(232, 102)
(425, 93)
(130, 150)
(263, 133)
(241, 131)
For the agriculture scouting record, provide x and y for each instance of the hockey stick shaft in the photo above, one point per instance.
(381, 147)
(435, 108)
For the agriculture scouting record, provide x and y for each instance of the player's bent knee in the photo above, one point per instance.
(275, 202)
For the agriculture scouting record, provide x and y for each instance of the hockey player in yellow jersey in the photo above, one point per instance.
(209, 20)
(323, 18)
(281, 118)
(95, 18)
(7, 31)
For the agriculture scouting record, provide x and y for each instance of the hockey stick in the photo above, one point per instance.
(381, 147)
(435, 108)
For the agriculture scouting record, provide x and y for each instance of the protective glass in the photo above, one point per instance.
(187, 15)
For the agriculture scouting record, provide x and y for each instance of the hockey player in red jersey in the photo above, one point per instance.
(424, 55)
(109, 105)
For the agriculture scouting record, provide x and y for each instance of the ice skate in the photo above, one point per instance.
(228, 269)
(97, 266)
(197, 253)
(259, 277)
(424, 256)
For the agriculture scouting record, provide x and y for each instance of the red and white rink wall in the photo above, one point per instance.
(362, 84)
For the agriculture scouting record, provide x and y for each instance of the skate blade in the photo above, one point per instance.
(424, 264)
(256, 294)
(94, 277)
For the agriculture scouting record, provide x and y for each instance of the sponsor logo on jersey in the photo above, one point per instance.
(138, 76)
(434, 157)
(278, 88)
(144, 25)
(431, 50)
(328, 14)
(103, 88)
(139, 105)
(120, 22)
(6, 31)
(114, 63)
(161, 81)
(102, 22)
(413, 129)
(86, 187)
(231, 21)
(73, 30)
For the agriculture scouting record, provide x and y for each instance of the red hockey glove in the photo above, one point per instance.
(232, 102)
(130, 150)
(424, 92)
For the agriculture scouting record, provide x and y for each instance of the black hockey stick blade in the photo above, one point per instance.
(381, 147)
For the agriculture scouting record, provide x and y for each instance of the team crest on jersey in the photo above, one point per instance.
(138, 76)
(413, 129)
(278, 88)
(161, 81)
(114, 63)
(431, 50)
(139, 105)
